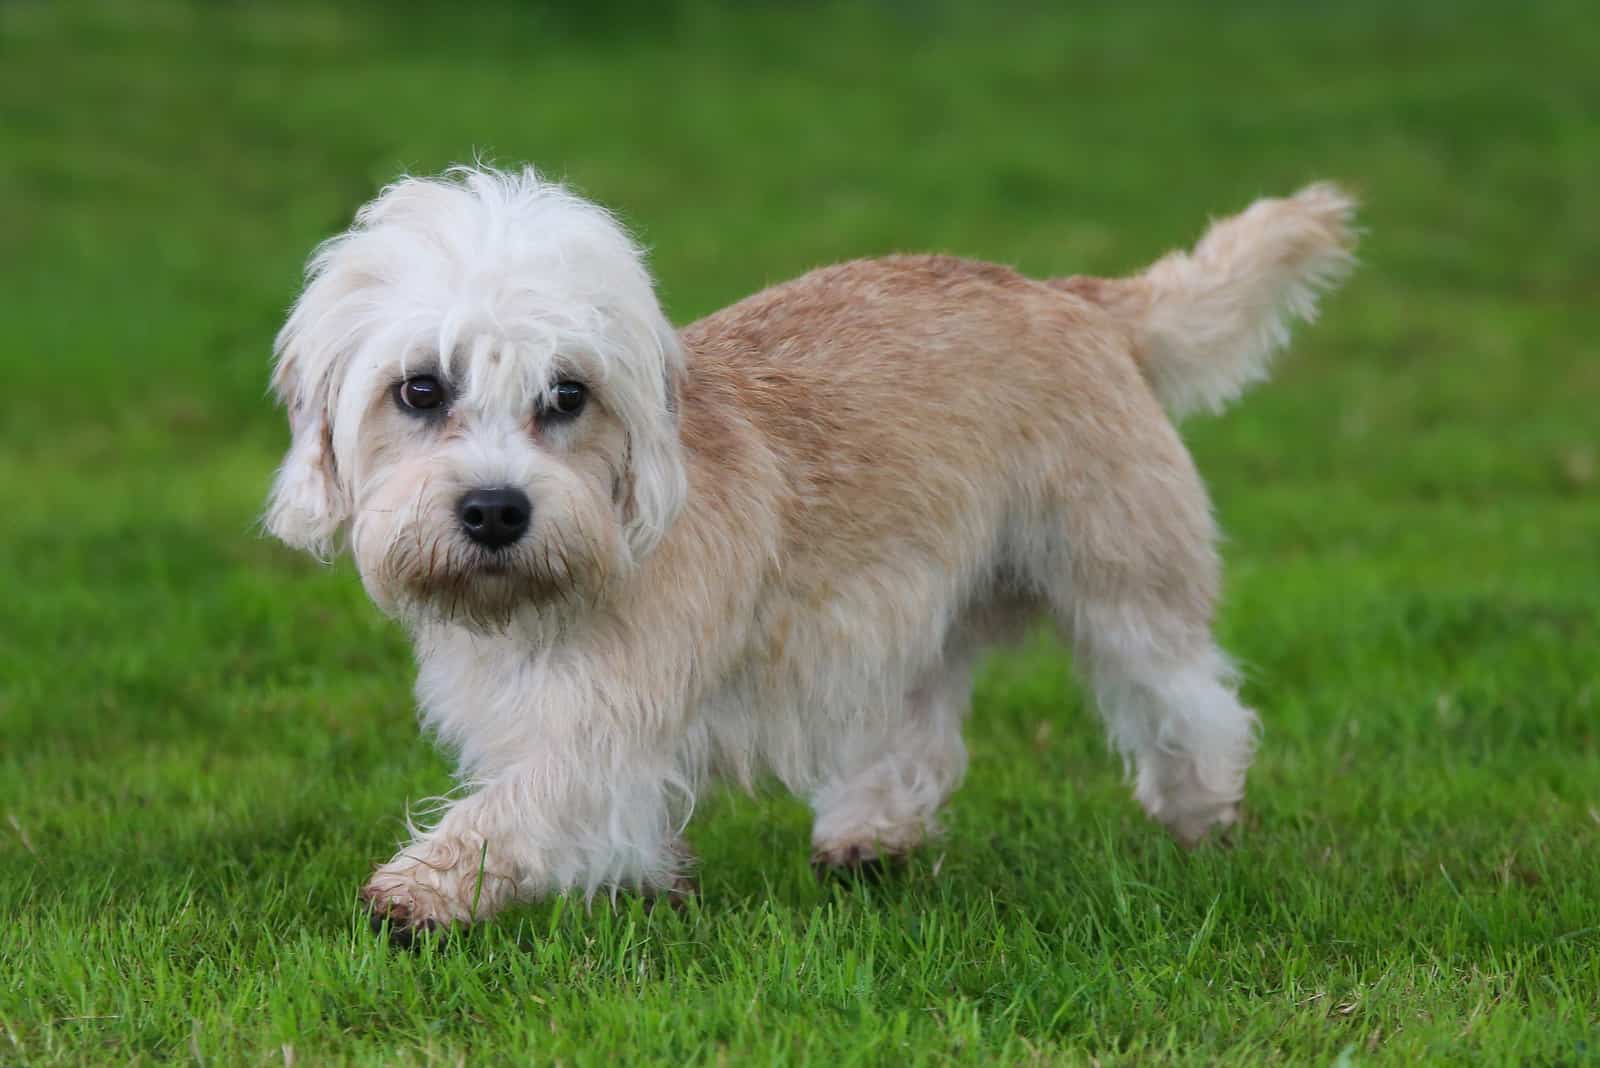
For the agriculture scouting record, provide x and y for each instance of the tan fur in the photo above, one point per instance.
(888, 466)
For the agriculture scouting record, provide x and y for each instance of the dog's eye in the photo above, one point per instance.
(422, 393)
(567, 400)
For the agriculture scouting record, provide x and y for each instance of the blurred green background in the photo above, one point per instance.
(205, 740)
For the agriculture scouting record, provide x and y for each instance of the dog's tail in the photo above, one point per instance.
(1208, 321)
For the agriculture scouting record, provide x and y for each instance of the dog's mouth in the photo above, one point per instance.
(492, 563)
(450, 579)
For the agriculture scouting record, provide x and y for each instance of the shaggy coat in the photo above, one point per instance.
(776, 543)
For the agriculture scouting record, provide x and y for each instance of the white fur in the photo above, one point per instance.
(591, 678)
(443, 267)
(1214, 316)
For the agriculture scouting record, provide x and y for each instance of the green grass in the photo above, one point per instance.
(205, 740)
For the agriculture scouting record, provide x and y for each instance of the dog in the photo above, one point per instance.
(633, 560)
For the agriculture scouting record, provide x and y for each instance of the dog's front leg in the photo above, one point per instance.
(588, 813)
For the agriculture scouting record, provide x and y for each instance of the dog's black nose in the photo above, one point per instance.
(494, 518)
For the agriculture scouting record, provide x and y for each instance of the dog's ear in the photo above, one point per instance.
(310, 503)
(656, 482)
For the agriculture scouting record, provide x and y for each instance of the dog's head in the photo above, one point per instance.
(482, 392)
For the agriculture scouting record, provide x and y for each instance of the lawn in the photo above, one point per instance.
(206, 740)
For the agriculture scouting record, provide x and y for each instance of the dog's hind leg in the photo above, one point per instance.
(1174, 715)
(883, 799)
(1133, 585)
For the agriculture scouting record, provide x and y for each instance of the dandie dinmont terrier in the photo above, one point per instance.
(633, 558)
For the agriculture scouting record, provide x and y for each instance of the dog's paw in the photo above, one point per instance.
(404, 909)
(675, 897)
(1200, 820)
(856, 861)
(1194, 826)
(1190, 805)
(400, 929)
